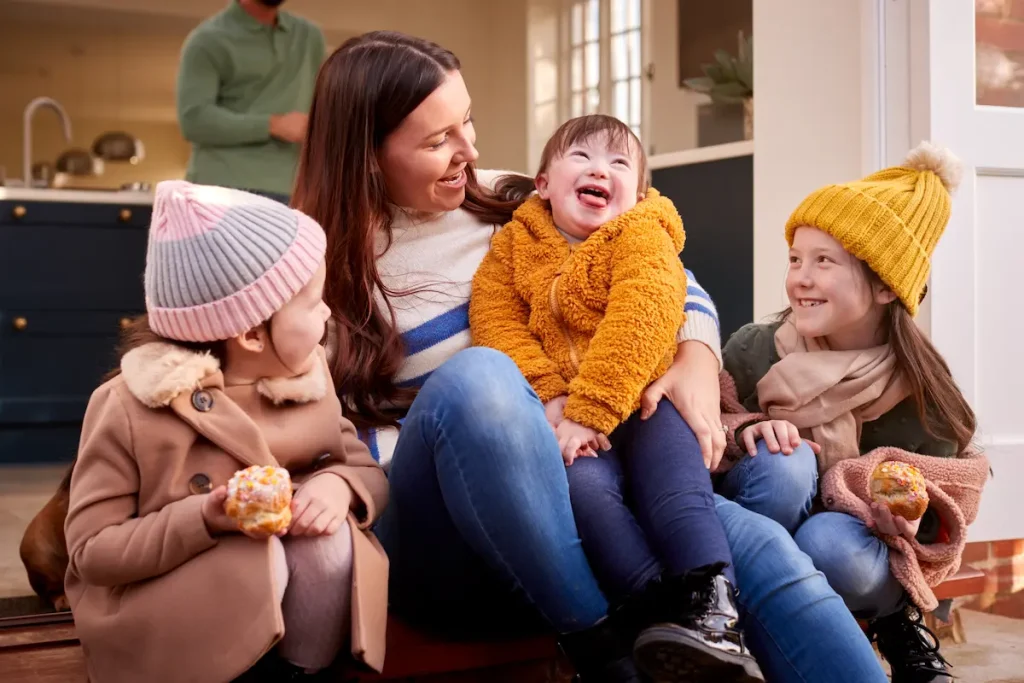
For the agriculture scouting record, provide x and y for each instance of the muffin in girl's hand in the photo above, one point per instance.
(260, 499)
(901, 488)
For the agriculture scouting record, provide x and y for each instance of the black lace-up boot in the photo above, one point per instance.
(910, 647)
(697, 637)
(604, 653)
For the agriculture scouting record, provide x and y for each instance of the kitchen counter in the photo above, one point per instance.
(38, 194)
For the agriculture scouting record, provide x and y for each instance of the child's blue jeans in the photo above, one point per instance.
(647, 505)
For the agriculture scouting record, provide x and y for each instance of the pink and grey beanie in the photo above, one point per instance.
(222, 261)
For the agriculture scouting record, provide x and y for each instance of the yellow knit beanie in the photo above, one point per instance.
(891, 219)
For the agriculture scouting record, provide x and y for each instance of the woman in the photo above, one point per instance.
(480, 531)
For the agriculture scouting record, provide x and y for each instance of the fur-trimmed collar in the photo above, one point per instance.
(158, 372)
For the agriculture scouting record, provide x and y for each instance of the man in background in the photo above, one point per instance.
(245, 84)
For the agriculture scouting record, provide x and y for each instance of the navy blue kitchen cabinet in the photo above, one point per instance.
(70, 279)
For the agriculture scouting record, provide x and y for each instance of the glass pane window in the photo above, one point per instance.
(593, 62)
(620, 98)
(577, 69)
(633, 58)
(999, 53)
(620, 57)
(576, 22)
(635, 101)
(593, 21)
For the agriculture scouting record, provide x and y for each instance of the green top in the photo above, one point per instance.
(749, 354)
(234, 73)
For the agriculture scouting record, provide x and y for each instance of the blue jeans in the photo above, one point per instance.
(780, 487)
(646, 503)
(480, 533)
(853, 559)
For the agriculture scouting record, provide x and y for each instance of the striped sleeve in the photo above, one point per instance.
(701, 322)
(381, 441)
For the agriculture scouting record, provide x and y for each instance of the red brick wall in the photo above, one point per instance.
(999, 34)
(1002, 562)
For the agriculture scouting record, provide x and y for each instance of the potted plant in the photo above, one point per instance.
(730, 80)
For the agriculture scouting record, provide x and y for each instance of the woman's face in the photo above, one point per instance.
(424, 160)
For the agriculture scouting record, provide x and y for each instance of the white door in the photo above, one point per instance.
(975, 106)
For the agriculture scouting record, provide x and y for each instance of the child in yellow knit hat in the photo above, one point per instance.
(584, 289)
(846, 368)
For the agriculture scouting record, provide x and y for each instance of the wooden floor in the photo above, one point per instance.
(41, 654)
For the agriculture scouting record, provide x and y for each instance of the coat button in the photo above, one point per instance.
(830, 501)
(202, 400)
(200, 483)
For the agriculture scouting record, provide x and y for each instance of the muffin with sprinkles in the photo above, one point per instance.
(259, 499)
(900, 487)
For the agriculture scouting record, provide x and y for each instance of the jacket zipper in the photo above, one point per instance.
(556, 311)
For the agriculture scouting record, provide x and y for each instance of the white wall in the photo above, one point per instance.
(808, 120)
(673, 109)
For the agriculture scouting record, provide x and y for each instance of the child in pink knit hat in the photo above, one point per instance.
(225, 372)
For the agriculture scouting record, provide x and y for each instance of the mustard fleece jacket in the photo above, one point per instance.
(596, 321)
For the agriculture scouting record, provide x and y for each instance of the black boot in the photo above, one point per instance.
(911, 649)
(604, 653)
(697, 637)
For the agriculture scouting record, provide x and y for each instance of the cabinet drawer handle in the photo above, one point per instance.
(125, 215)
(125, 323)
(19, 211)
(19, 323)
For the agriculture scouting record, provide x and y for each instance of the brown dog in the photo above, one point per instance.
(44, 551)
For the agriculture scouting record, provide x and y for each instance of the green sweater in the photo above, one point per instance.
(234, 73)
(750, 353)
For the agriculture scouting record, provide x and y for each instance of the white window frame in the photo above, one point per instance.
(605, 83)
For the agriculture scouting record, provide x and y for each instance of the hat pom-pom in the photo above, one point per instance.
(938, 160)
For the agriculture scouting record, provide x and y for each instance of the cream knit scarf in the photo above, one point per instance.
(829, 394)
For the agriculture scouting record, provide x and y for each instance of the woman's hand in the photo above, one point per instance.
(575, 440)
(778, 435)
(884, 522)
(553, 410)
(691, 383)
(320, 506)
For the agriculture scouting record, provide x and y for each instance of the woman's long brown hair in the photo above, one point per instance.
(363, 92)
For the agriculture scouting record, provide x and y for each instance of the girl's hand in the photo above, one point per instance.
(575, 440)
(320, 506)
(217, 521)
(778, 435)
(884, 522)
(553, 410)
(691, 383)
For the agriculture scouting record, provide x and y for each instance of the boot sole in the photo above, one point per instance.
(666, 655)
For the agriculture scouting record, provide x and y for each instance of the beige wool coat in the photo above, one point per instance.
(157, 598)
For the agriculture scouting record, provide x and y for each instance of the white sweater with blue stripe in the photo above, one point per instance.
(436, 259)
